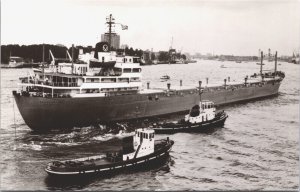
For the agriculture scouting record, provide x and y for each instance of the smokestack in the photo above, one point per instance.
(180, 82)
(148, 85)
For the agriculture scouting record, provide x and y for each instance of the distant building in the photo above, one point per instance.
(147, 56)
(115, 39)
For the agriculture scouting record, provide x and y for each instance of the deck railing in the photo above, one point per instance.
(54, 84)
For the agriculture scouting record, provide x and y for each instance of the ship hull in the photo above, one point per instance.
(41, 113)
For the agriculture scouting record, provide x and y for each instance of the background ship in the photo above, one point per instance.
(62, 103)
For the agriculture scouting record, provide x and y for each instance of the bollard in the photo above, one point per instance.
(180, 83)
(148, 85)
(169, 86)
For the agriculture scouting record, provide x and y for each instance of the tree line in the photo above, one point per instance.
(34, 53)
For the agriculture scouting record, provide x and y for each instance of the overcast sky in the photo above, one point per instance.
(238, 27)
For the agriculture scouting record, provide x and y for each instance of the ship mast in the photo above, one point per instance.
(72, 58)
(200, 82)
(43, 61)
(275, 63)
(261, 62)
(110, 21)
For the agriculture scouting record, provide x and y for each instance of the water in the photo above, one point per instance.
(256, 150)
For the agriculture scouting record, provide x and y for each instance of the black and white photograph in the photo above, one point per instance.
(150, 95)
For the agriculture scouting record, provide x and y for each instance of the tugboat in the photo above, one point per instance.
(200, 118)
(138, 150)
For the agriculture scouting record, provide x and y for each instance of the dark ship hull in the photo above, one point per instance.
(42, 113)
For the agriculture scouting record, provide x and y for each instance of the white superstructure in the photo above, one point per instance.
(143, 144)
(205, 111)
(90, 76)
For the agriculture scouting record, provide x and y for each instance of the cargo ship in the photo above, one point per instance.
(103, 86)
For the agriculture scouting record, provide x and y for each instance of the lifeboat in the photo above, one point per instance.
(165, 77)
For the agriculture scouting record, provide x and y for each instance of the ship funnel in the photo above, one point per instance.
(101, 47)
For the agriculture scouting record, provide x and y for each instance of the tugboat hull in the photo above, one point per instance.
(189, 127)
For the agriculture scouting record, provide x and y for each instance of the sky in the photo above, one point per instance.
(238, 27)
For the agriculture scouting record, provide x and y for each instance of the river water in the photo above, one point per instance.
(257, 149)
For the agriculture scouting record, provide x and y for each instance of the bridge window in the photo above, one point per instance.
(123, 80)
(136, 60)
(90, 91)
(108, 80)
(127, 70)
(134, 79)
(136, 70)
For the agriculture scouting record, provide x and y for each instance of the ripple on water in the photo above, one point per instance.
(256, 150)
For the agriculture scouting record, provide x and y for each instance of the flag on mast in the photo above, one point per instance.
(124, 27)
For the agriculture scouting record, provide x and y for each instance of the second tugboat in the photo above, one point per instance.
(140, 149)
(201, 118)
